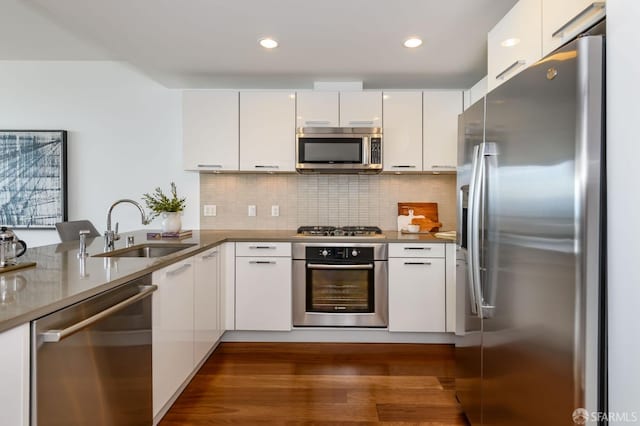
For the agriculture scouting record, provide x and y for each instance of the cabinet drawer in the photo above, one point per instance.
(416, 250)
(263, 249)
(417, 299)
(263, 293)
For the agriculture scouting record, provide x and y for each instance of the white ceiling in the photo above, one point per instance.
(213, 43)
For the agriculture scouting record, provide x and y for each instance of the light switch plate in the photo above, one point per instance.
(251, 211)
(275, 210)
(210, 210)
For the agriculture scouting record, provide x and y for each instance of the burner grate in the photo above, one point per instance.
(343, 231)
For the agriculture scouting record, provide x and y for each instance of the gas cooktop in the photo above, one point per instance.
(340, 231)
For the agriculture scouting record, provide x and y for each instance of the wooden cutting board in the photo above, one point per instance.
(428, 210)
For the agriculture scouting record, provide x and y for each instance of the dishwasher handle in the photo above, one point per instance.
(53, 336)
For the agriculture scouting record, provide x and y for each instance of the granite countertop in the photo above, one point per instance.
(56, 281)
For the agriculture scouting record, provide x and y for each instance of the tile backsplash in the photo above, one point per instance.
(336, 200)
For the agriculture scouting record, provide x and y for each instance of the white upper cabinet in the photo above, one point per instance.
(317, 109)
(476, 93)
(361, 109)
(563, 20)
(267, 131)
(515, 42)
(402, 127)
(440, 130)
(210, 130)
(339, 109)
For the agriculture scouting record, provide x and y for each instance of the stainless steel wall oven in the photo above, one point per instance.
(339, 285)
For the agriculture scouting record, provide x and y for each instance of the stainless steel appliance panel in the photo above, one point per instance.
(339, 150)
(535, 368)
(345, 314)
(469, 324)
(91, 362)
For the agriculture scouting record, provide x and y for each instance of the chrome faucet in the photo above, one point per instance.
(111, 236)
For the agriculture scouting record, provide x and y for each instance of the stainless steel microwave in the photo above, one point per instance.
(339, 150)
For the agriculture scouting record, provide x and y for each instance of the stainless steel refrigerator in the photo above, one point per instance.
(530, 276)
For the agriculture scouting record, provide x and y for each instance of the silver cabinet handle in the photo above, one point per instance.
(595, 5)
(361, 122)
(438, 166)
(342, 267)
(417, 263)
(262, 262)
(210, 255)
(404, 167)
(262, 247)
(262, 166)
(211, 166)
(317, 122)
(417, 248)
(178, 270)
(53, 336)
(510, 68)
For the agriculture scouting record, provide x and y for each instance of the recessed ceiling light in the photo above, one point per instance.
(268, 43)
(510, 42)
(412, 42)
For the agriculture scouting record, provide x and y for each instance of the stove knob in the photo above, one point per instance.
(325, 253)
(354, 253)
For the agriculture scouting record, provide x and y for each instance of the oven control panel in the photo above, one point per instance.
(340, 253)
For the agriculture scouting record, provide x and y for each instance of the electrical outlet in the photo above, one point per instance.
(251, 211)
(275, 210)
(210, 210)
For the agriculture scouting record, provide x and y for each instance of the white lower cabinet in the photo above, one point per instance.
(417, 288)
(263, 290)
(14, 370)
(172, 330)
(188, 319)
(207, 321)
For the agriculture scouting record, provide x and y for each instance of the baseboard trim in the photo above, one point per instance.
(337, 335)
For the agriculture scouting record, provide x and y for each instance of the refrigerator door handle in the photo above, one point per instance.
(486, 154)
(473, 217)
(460, 228)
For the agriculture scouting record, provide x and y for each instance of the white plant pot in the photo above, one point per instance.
(171, 222)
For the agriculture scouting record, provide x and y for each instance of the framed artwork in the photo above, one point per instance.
(33, 178)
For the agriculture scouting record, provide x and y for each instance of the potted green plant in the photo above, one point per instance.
(168, 207)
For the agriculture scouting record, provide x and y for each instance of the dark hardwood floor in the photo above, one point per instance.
(322, 384)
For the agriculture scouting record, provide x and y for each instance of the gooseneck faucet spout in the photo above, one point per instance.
(111, 236)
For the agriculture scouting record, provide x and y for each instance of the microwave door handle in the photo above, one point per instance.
(366, 149)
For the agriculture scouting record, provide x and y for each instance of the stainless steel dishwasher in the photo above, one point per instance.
(91, 362)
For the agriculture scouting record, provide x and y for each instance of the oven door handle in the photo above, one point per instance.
(343, 267)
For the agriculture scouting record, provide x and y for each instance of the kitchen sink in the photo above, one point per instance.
(146, 250)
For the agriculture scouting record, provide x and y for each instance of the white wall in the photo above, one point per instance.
(124, 135)
(623, 150)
